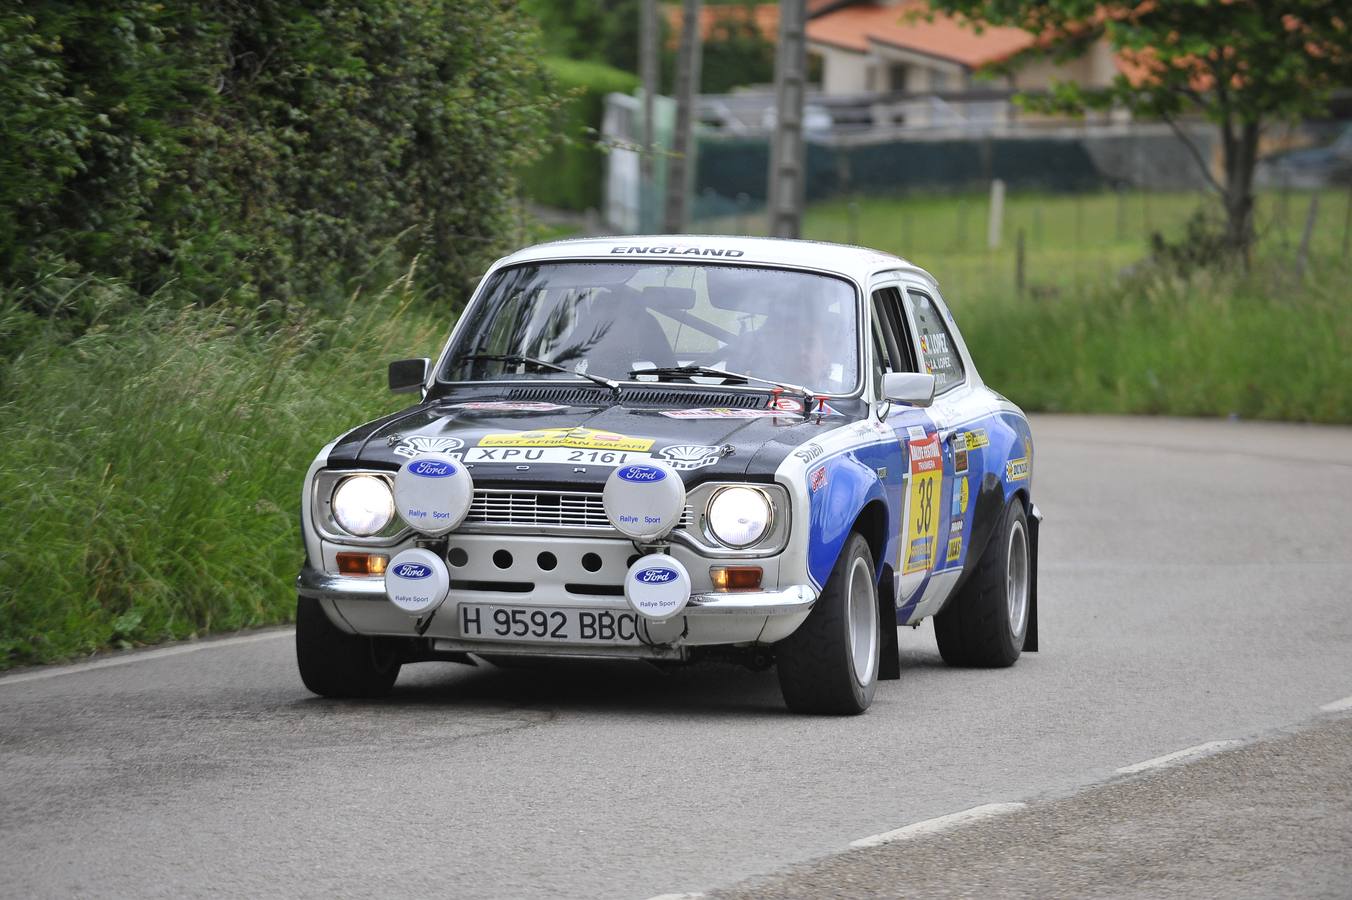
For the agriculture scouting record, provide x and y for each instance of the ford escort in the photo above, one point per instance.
(675, 449)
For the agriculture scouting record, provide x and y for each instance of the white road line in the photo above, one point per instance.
(1337, 705)
(141, 656)
(677, 897)
(1169, 759)
(942, 823)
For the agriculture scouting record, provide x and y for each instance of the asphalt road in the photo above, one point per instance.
(1196, 587)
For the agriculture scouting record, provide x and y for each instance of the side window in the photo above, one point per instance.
(895, 337)
(937, 350)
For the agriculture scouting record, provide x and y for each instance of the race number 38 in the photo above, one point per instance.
(922, 527)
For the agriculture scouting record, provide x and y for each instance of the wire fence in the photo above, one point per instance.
(1039, 243)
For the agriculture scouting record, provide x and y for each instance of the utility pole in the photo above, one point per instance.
(647, 65)
(786, 187)
(681, 166)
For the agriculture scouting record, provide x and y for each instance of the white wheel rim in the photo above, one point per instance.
(861, 620)
(1016, 579)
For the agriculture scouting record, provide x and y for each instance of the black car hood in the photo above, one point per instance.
(702, 442)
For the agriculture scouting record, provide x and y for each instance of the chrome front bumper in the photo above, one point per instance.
(359, 604)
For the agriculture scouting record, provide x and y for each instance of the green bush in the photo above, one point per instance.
(153, 465)
(572, 173)
(263, 149)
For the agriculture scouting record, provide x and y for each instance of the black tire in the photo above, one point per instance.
(818, 663)
(334, 663)
(981, 627)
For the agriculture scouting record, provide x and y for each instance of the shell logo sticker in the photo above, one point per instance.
(582, 438)
(684, 457)
(412, 446)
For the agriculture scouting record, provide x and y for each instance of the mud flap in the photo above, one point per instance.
(889, 658)
(1034, 525)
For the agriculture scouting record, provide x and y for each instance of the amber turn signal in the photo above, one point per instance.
(736, 578)
(362, 563)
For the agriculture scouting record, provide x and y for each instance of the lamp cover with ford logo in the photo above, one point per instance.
(432, 493)
(657, 586)
(644, 501)
(417, 581)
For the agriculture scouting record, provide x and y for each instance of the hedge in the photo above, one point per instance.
(572, 174)
(263, 149)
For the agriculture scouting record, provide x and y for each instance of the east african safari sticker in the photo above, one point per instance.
(582, 438)
(922, 527)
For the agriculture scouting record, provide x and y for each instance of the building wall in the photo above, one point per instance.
(843, 72)
(1094, 69)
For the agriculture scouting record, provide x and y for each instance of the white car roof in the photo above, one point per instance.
(859, 262)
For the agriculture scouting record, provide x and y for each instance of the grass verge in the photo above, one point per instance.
(152, 465)
(1201, 346)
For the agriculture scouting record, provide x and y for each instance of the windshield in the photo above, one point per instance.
(610, 319)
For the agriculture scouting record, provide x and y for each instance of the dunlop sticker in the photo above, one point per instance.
(1018, 469)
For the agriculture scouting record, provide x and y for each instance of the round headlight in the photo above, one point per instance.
(739, 516)
(363, 505)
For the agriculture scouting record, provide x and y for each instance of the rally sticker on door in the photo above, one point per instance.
(922, 528)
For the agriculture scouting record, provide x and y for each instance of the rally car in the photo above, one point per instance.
(676, 449)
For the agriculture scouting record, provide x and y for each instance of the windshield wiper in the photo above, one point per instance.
(553, 367)
(809, 397)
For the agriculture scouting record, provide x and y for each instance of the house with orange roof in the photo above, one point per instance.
(896, 47)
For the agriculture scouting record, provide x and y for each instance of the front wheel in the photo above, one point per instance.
(829, 665)
(985, 624)
(334, 663)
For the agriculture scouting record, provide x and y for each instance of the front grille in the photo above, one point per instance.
(543, 509)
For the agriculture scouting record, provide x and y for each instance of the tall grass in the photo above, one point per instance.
(151, 467)
(1208, 345)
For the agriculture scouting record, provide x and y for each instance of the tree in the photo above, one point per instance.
(1242, 64)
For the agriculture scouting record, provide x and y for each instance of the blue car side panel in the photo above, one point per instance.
(849, 481)
(998, 462)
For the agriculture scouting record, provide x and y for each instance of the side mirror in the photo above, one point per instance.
(407, 375)
(909, 387)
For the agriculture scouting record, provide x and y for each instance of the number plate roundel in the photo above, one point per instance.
(432, 493)
(657, 586)
(417, 581)
(645, 500)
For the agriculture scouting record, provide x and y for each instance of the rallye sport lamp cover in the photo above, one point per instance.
(657, 586)
(417, 581)
(644, 501)
(432, 493)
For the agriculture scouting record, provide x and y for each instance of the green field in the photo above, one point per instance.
(1071, 241)
(1099, 328)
